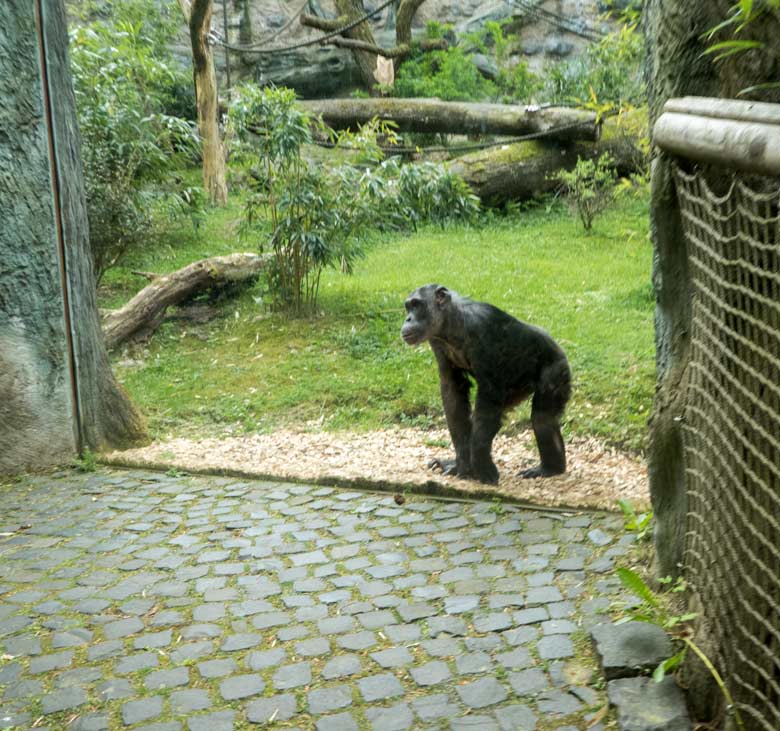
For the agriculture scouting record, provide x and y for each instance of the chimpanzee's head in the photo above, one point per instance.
(424, 313)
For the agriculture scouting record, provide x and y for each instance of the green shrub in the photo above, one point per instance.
(589, 188)
(449, 75)
(608, 73)
(123, 78)
(452, 74)
(312, 216)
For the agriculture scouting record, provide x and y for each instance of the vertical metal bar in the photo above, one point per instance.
(55, 184)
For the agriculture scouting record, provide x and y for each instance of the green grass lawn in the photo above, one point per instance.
(254, 370)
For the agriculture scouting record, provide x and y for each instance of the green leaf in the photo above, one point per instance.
(634, 583)
(730, 47)
(668, 665)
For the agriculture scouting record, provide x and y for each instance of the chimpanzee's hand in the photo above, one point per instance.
(445, 466)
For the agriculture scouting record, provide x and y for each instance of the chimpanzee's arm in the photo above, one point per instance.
(455, 387)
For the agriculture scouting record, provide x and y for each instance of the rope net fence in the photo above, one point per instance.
(731, 432)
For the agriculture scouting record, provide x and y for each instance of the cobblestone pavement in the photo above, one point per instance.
(136, 600)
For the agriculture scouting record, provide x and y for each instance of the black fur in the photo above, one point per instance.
(510, 361)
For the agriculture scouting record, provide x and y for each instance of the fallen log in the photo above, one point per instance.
(433, 115)
(522, 170)
(145, 311)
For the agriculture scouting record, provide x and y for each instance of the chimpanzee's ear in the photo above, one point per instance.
(442, 296)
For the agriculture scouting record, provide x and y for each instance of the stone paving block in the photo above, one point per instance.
(472, 663)
(516, 718)
(431, 673)
(186, 701)
(241, 686)
(529, 682)
(395, 657)
(278, 707)
(555, 647)
(292, 676)
(558, 702)
(482, 692)
(114, 689)
(625, 649)
(379, 687)
(136, 662)
(341, 666)
(515, 659)
(143, 709)
(642, 704)
(62, 700)
(398, 717)
(46, 663)
(167, 678)
(332, 698)
(219, 721)
(90, 722)
(261, 659)
(473, 723)
(433, 707)
(357, 641)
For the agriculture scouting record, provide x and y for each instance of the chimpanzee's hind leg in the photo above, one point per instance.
(547, 406)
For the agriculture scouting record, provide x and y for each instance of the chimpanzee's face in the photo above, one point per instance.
(417, 325)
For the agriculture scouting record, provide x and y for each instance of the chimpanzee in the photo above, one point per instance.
(509, 360)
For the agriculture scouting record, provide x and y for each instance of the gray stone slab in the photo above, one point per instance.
(482, 692)
(278, 707)
(219, 721)
(61, 700)
(187, 701)
(431, 673)
(337, 722)
(341, 666)
(529, 682)
(555, 647)
(332, 698)
(379, 687)
(167, 678)
(292, 676)
(241, 686)
(630, 648)
(143, 709)
(395, 657)
(644, 705)
(262, 659)
(398, 717)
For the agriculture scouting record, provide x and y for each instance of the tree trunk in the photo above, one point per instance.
(366, 60)
(522, 170)
(675, 68)
(432, 115)
(146, 310)
(57, 391)
(198, 17)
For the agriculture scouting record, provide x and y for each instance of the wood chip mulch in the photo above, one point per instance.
(397, 460)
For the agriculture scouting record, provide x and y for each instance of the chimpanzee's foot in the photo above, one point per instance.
(445, 466)
(539, 471)
(487, 474)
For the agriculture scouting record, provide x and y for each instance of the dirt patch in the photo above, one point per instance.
(397, 459)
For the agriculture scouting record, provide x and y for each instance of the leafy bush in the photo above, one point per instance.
(321, 217)
(589, 188)
(452, 75)
(608, 73)
(123, 79)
